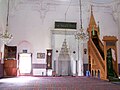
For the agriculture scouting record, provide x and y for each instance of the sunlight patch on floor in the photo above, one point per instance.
(22, 79)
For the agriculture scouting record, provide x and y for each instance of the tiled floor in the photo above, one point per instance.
(56, 83)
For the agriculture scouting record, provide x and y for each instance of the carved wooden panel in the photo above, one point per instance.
(10, 67)
(10, 52)
(110, 43)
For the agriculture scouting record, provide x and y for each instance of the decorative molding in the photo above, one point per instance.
(22, 45)
(113, 5)
(110, 38)
(62, 32)
(42, 6)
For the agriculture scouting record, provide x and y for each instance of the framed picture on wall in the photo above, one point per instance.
(40, 55)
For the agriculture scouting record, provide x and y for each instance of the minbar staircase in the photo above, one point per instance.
(96, 60)
(103, 61)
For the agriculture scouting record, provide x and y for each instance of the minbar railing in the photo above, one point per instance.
(97, 56)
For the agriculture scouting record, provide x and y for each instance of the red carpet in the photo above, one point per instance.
(56, 83)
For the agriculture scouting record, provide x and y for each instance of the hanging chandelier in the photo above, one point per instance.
(6, 37)
(81, 34)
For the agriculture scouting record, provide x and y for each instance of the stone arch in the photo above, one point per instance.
(24, 45)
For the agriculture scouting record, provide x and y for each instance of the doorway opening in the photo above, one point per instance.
(25, 64)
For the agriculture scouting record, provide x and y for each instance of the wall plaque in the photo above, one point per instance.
(66, 25)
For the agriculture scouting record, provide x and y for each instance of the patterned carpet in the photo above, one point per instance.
(56, 83)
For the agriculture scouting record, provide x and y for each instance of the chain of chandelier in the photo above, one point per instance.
(6, 37)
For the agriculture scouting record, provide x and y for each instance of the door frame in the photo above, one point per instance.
(25, 74)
